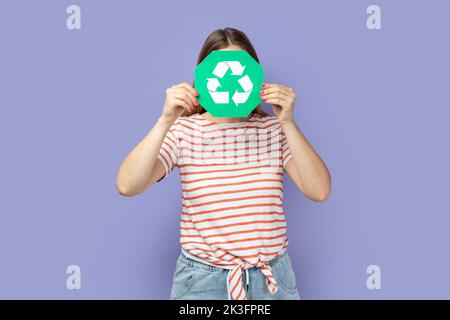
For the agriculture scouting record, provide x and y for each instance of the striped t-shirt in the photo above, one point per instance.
(232, 192)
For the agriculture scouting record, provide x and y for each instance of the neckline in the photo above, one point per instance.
(226, 124)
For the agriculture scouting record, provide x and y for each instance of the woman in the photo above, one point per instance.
(232, 229)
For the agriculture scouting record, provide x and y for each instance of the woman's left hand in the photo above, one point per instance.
(282, 99)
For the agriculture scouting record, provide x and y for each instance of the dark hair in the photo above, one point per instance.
(220, 39)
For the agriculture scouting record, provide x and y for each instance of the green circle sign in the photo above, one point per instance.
(228, 83)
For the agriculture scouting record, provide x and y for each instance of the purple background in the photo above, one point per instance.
(374, 104)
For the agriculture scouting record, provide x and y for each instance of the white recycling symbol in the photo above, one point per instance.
(223, 97)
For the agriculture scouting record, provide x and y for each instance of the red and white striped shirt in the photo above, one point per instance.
(232, 192)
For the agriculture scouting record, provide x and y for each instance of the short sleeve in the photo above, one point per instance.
(168, 153)
(286, 152)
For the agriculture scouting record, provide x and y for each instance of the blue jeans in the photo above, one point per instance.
(194, 280)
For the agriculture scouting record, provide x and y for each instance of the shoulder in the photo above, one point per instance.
(189, 121)
(187, 125)
(265, 121)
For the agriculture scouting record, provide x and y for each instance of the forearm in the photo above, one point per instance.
(309, 167)
(137, 169)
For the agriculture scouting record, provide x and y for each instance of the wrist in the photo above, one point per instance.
(165, 122)
(288, 123)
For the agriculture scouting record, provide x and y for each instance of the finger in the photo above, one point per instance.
(278, 98)
(288, 95)
(274, 85)
(276, 101)
(275, 95)
(279, 90)
(182, 97)
(286, 87)
(184, 104)
(186, 95)
(189, 87)
(289, 89)
(268, 85)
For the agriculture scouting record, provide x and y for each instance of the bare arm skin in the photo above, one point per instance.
(141, 168)
(305, 168)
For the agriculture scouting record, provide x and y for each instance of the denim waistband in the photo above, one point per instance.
(197, 264)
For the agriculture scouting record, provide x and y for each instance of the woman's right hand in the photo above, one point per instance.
(179, 98)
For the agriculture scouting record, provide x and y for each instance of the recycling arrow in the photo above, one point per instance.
(227, 81)
(223, 97)
(241, 97)
(217, 96)
(222, 67)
